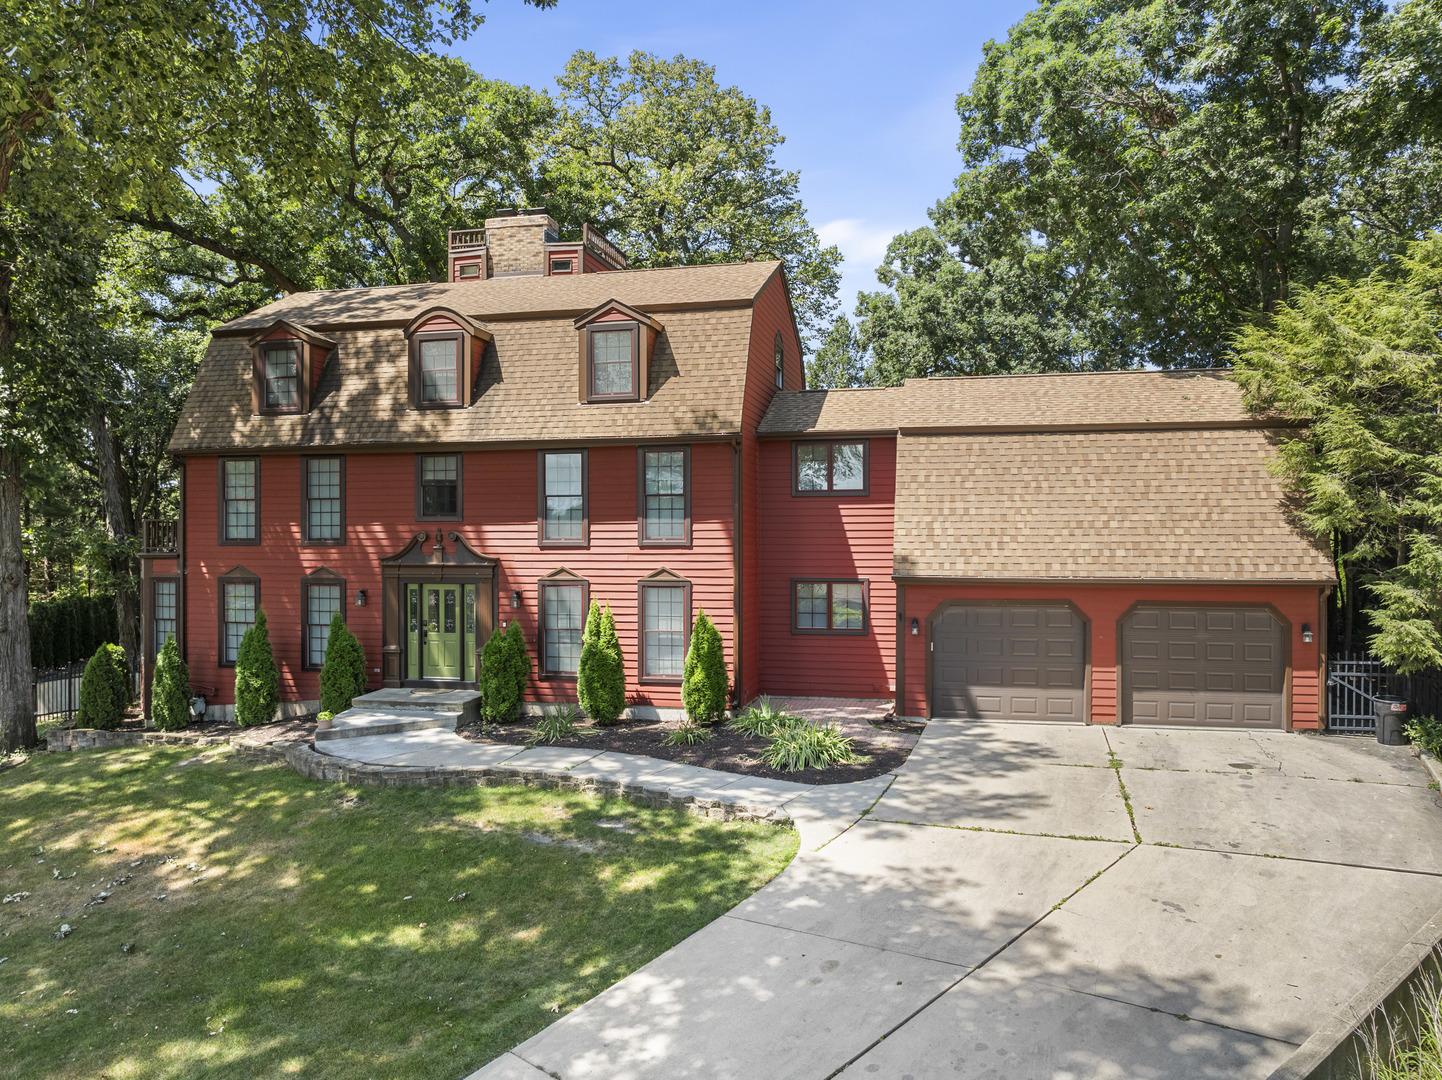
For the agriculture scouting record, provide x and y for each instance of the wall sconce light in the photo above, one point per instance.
(915, 627)
(360, 598)
(516, 599)
(1306, 632)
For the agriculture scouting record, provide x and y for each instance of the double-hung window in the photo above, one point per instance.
(438, 487)
(612, 363)
(238, 602)
(562, 508)
(439, 370)
(823, 468)
(324, 500)
(322, 600)
(665, 622)
(665, 496)
(280, 370)
(837, 607)
(239, 500)
(164, 617)
(563, 617)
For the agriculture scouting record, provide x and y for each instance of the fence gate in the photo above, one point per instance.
(1354, 681)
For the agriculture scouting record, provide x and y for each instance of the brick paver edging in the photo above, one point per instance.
(315, 766)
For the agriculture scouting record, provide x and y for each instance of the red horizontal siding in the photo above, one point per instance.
(499, 505)
(823, 537)
(1105, 606)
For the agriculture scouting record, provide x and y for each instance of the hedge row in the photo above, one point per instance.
(64, 629)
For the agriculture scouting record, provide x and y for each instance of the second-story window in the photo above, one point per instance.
(612, 364)
(780, 362)
(239, 501)
(826, 467)
(665, 496)
(438, 480)
(563, 497)
(282, 376)
(324, 500)
(440, 370)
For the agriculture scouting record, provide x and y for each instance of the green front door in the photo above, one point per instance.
(441, 632)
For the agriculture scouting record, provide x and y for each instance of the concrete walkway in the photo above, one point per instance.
(1044, 903)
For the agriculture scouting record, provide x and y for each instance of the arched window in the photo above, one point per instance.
(780, 363)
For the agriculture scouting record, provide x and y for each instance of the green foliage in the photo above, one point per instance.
(704, 684)
(807, 746)
(520, 659)
(505, 667)
(689, 734)
(601, 678)
(1142, 180)
(343, 673)
(257, 679)
(170, 689)
(555, 724)
(1426, 732)
(1405, 1042)
(66, 628)
(1361, 363)
(763, 719)
(104, 689)
(841, 360)
(680, 170)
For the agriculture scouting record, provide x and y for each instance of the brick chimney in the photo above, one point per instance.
(516, 242)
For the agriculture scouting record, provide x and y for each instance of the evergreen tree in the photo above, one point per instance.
(601, 678)
(704, 684)
(520, 663)
(104, 689)
(495, 681)
(257, 680)
(170, 689)
(343, 674)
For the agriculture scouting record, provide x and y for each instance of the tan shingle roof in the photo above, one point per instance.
(1179, 505)
(1110, 399)
(571, 295)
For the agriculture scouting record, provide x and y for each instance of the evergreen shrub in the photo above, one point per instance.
(170, 689)
(257, 679)
(704, 684)
(601, 678)
(343, 674)
(104, 689)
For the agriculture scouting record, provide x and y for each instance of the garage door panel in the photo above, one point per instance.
(1218, 667)
(1023, 663)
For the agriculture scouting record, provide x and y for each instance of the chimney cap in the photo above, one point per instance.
(516, 212)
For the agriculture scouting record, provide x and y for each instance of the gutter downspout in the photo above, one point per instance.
(737, 592)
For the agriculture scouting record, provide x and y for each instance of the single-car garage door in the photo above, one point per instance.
(1203, 666)
(992, 662)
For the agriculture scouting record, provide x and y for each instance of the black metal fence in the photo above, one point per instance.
(57, 691)
(1354, 682)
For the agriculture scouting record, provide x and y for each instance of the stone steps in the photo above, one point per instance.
(358, 723)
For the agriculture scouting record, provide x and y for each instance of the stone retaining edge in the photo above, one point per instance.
(1335, 1049)
(317, 766)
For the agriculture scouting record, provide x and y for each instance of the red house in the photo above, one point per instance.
(548, 427)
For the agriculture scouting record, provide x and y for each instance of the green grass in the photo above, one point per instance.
(297, 953)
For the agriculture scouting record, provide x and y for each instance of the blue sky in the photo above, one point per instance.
(863, 91)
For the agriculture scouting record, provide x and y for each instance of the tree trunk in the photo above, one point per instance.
(17, 694)
(120, 526)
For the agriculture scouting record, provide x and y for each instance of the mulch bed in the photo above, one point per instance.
(727, 750)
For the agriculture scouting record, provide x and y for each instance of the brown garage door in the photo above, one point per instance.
(1208, 667)
(1009, 663)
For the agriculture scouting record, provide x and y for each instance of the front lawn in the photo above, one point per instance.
(315, 930)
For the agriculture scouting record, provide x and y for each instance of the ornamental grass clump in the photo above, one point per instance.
(807, 746)
(170, 689)
(104, 689)
(688, 734)
(704, 685)
(257, 679)
(601, 674)
(343, 673)
(763, 719)
(555, 724)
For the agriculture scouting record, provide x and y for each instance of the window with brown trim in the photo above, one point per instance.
(562, 508)
(830, 468)
(439, 369)
(164, 611)
(280, 376)
(562, 266)
(664, 488)
(438, 487)
(563, 619)
(828, 607)
(665, 629)
(321, 600)
(239, 600)
(612, 361)
(780, 362)
(469, 270)
(240, 500)
(323, 492)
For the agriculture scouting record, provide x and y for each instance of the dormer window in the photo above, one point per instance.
(616, 346)
(780, 362)
(445, 351)
(468, 270)
(562, 266)
(287, 361)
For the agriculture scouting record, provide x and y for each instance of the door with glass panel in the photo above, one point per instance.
(440, 632)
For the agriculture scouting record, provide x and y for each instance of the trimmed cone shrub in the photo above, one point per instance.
(601, 679)
(704, 684)
(257, 680)
(104, 689)
(499, 700)
(343, 673)
(170, 689)
(520, 661)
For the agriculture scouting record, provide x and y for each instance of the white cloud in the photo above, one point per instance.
(863, 243)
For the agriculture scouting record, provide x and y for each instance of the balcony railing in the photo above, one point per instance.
(466, 238)
(160, 536)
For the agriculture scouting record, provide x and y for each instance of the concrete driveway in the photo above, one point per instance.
(1045, 903)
